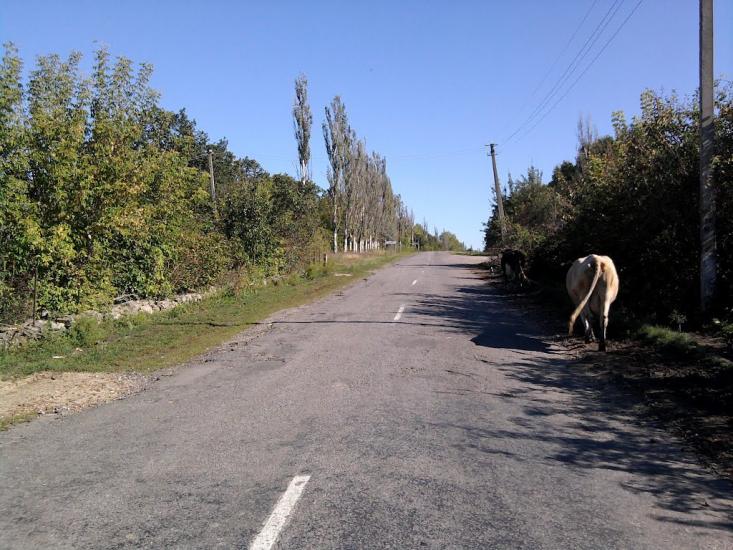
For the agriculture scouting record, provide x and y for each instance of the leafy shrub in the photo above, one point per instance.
(633, 197)
(85, 331)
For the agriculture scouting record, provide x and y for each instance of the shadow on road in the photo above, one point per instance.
(436, 266)
(481, 312)
(606, 432)
(598, 426)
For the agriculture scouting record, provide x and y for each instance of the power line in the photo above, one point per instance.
(559, 56)
(418, 156)
(572, 66)
(621, 26)
(582, 53)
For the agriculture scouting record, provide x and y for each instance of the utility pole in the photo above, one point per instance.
(211, 181)
(35, 291)
(708, 263)
(499, 201)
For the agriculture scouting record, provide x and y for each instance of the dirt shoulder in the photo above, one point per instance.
(692, 396)
(690, 391)
(63, 392)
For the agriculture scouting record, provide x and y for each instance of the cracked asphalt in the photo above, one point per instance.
(461, 425)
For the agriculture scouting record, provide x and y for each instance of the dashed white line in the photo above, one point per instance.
(274, 524)
(414, 282)
(399, 312)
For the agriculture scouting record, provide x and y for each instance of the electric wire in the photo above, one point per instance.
(559, 56)
(600, 52)
(572, 66)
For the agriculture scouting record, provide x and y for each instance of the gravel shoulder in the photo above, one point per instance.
(63, 392)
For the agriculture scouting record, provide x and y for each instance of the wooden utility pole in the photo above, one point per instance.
(211, 180)
(708, 263)
(499, 201)
(35, 291)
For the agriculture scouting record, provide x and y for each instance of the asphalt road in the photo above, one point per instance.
(458, 425)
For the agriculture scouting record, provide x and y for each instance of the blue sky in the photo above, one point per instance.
(426, 83)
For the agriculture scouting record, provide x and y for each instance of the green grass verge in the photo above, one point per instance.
(145, 343)
(682, 346)
(6, 422)
(669, 341)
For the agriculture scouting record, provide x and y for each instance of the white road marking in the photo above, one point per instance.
(414, 282)
(274, 524)
(399, 312)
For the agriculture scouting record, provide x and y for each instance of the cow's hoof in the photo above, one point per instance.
(602, 346)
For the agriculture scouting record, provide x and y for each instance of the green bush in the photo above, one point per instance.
(632, 197)
(105, 193)
(86, 331)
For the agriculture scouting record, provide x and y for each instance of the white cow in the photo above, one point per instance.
(592, 283)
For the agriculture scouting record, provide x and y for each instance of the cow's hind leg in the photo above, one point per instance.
(603, 324)
(587, 325)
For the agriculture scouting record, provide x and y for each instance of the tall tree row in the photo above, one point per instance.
(104, 194)
(337, 135)
(365, 212)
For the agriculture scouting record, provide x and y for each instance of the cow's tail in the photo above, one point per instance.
(584, 301)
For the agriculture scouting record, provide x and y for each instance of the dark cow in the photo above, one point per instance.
(513, 263)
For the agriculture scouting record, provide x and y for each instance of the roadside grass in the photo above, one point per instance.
(148, 342)
(6, 422)
(669, 342)
(686, 347)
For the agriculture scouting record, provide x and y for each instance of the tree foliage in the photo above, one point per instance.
(104, 193)
(364, 208)
(302, 122)
(633, 196)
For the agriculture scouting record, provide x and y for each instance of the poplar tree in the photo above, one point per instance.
(302, 122)
(337, 135)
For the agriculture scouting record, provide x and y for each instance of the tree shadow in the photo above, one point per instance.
(483, 312)
(590, 423)
(455, 265)
(601, 427)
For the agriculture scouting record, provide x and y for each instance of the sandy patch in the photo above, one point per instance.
(60, 392)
